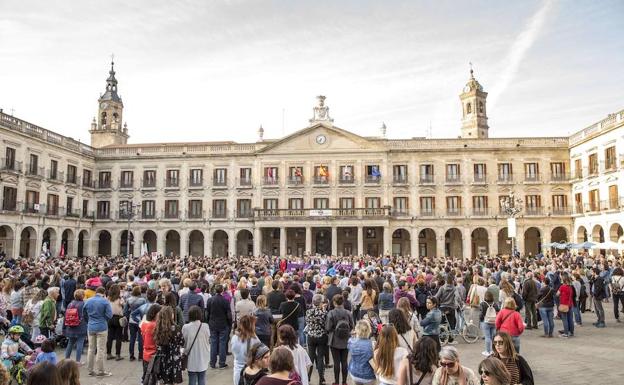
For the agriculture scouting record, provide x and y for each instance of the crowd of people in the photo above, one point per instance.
(289, 320)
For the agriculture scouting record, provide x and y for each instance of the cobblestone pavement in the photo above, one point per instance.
(593, 356)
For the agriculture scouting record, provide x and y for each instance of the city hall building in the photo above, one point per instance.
(321, 190)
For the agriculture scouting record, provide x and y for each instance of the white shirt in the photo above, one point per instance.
(399, 354)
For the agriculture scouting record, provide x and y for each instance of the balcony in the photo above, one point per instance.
(172, 183)
(611, 204)
(321, 180)
(86, 214)
(578, 209)
(481, 212)
(195, 184)
(452, 179)
(427, 212)
(148, 184)
(269, 181)
(399, 179)
(346, 180)
(479, 179)
(426, 179)
(33, 208)
(560, 177)
(610, 167)
(295, 180)
(54, 211)
(532, 178)
(148, 215)
(55, 177)
(353, 213)
(103, 215)
(34, 171)
(578, 175)
(561, 211)
(171, 214)
(88, 184)
(218, 214)
(372, 179)
(244, 183)
(244, 214)
(73, 213)
(400, 212)
(533, 211)
(10, 166)
(505, 178)
(11, 206)
(593, 171)
(219, 183)
(73, 179)
(103, 184)
(126, 184)
(454, 211)
(195, 215)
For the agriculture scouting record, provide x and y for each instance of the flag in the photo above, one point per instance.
(298, 172)
(62, 252)
(347, 172)
(270, 175)
(375, 171)
(323, 171)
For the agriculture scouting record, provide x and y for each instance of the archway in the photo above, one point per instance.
(581, 235)
(480, 242)
(6, 240)
(48, 241)
(401, 242)
(219, 244)
(104, 243)
(616, 232)
(123, 243)
(559, 234)
(532, 241)
(172, 243)
(504, 242)
(83, 243)
(453, 243)
(67, 242)
(598, 234)
(149, 242)
(28, 243)
(196, 243)
(244, 243)
(427, 243)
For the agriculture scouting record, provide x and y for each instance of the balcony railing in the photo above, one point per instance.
(172, 182)
(453, 179)
(54, 211)
(33, 208)
(454, 211)
(195, 214)
(426, 179)
(196, 183)
(244, 213)
(10, 206)
(244, 182)
(593, 171)
(399, 179)
(578, 209)
(126, 184)
(219, 182)
(57, 176)
(35, 171)
(148, 183)
(561, 211)
(294, 180)
(533, 211)
(532, 177)
(373, 179)
(171, 214)
(13, 166)
(270, 181)
(103, 215)
(559, 177)
(103, 184)
(357, 213)
(427, 212)
(481, 212)
(148, 214)
(505, 178)
(346, 180)
(88, 183)
(479, 179)
(73, 179)
(321, 180)
(400, 212)
(608, 167)
(73, 213)
(218, 214)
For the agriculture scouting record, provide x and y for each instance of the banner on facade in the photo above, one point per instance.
(320, 213)
(511, 227)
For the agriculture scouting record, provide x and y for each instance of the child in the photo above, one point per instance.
(47, 352)
(12, 345)
(70, 372)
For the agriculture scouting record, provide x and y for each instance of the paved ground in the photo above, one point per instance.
(593, 356)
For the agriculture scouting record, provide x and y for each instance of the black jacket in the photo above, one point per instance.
(218, 313)
(274, 300)
(546, 297)
(332, 290)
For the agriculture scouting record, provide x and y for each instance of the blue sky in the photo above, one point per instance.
(216, 70)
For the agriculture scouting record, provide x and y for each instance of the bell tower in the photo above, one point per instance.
(474, 113)
(107, 128)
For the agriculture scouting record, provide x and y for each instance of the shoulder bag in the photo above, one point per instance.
(411, 380)
(186, 354)
(539, 303)
(279, 323)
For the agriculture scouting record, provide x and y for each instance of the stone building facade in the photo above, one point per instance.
(320, 190)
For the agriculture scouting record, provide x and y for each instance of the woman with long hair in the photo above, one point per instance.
(69, 371)
(431, 322)
(517, 366)
(411, 316)
(264, 320)
(510, 321)
(388, 355)
(451, 371)
(420, 365)
(244, 337)
(169, 343)
(257, 365)
(148, 327)
(369, 295)
(114, 326)
(494, 372)
(287, 337)
(281, 365)
(44, 373)
(566, 303)
(317, 335)
(488, 309)
(134, 302)
(407, 337)
(196, 346)
(31, 313)
(338, 325)
(361, 348)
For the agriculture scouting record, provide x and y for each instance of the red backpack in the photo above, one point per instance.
(72, 318)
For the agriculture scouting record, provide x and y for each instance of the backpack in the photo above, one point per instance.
(343, 330)
(422, 295)
(72, 318)
(599, 288)
(27, 315)
(616, 287)
(519, 301)
(583, 294)
(490, 314)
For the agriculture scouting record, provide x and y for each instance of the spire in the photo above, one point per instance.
(111, 85)
(383, 130)
(260, 134)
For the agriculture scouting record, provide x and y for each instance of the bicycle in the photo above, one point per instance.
(467, 330)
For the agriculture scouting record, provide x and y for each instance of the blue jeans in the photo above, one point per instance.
(547, 317)
(516, 342)
(577, 315)
(489, 330)
(218, 344)
(197, 378)
(568, 322)
(302, 340)
(79, 342)
(135, 336)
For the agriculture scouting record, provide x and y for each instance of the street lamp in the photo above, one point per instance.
(511, 206)
(129, 212)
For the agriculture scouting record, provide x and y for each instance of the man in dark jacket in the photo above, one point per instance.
(529, 296)
(448, 300)
(191, 298)
(68, 287)
(275, 298)
(219, 317)
(332, 290)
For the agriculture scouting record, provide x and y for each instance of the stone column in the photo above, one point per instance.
(334, 240)
(493, 242)
(440, 244)
(232, 242)
(17, 237)
(184, 242)
(115, 243)
(308, 240)
(162, 243)
(282, 241)
(257, 241)
(414, 242)
(519, 240)
(467, 244)
(360, 240)
(207, 244)
(387, 241)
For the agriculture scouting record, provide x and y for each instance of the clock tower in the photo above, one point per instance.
(474, 115)
(107, 128)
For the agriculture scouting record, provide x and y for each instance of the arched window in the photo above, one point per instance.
(103, 119)
(481, 107)
(115, 117)
(468, 108)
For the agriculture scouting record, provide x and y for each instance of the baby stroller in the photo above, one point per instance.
(58, 337)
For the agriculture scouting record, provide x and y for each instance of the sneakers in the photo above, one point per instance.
(225, 366)
(563, 335)
(485, 353)
(132, 358)
(104, 374)
(119, 358)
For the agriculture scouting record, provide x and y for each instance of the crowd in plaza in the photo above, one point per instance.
(289, 320)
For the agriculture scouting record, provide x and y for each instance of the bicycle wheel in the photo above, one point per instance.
(445, 334)
(470, 333)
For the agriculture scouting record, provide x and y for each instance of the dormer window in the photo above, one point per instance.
(468, 108)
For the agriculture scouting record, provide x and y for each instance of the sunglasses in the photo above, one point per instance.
(447, 364)
(484, 372)
(498, 342)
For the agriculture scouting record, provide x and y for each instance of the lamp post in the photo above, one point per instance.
(511, 206)
(129, 212)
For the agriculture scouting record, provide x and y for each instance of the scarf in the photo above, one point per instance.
(461, 376)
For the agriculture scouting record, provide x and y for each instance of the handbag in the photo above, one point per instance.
(186, 354)
(123, 321)
(563, 308)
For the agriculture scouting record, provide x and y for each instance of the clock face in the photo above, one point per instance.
(321, 139)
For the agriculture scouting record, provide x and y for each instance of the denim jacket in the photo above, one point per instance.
(361, 352)
(431, 323)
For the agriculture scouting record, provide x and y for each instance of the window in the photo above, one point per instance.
(295, 203)
(346, 174)
(220, 177)
(594, 200)
(295, 175)
(173, 179)
(531, 172)
(593, 164)
(127, 179)
(271, 176)
(373, 174)
(9, 198)
(427, 206)
(33, 166)
(373, 203)
(479, 205)
(452, 173)
(346, 203)
(533, 204)
(125, 209)
(270, 204)
(559, 204)
(399, 173)
(32, 201)
(401, 206)
(195, 210)
(426, 173)
(85, 209)
(9, 158)
(69, 206)
(480, 172)
(149, 178)
(171, 208)
(321, 174)
(72, 173)
(610, 158)
(557, 171)
(453, 205)
(103, 209)
(54, 170)
(244, 208)
(481, 107)
(468, 108)
(86, 178)
(321, 203)
(219, 208)
(578, 169)
(197, 177)
(613, 197)
(245, 176)
(505, 172)
(148, 209)
(578, 203)
(104, 179)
